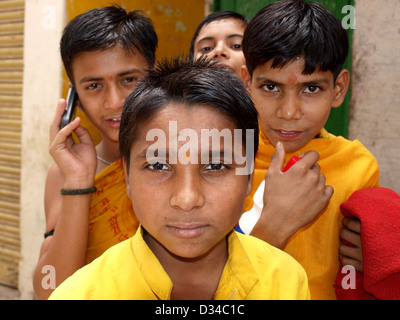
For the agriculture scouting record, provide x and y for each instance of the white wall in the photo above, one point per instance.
(44, 21)
(375, 105)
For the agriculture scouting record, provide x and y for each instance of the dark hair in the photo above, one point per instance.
(187, 82)
(218, 15)
(103, 28)
(285, 30)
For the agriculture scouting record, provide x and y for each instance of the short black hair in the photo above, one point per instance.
(187, 82)
(103, 28)
(287, 29)
(215, 16)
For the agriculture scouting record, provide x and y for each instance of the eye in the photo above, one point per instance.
(93, 86)
(206, 49)
(130, 79)
(215, 167)
(270, 88)
(157, 166)
(237, 47)
(312, 89)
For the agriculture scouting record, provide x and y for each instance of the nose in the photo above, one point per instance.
(187, 192)
(290, 107)
(220, 50)
(114, 99)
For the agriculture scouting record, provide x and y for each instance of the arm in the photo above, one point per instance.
(292, 199)
(75, 168)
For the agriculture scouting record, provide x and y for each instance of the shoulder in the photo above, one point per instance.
(277, 271)
(262, 255)
(100, 279)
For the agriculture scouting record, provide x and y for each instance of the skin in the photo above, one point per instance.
(221, 40)
(187, 209)
(103, 80)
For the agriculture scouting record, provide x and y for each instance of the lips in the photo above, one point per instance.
(287, 134)
(187, 231)
(114, 122)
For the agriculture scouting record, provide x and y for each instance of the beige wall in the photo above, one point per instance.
(375, 105)
(42, 89)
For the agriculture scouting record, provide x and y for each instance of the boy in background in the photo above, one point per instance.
(186, 247)
(295, 52)
(105, 51)
(219, 36)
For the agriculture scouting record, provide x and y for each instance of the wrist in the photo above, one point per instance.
(271, 230)
(78, 184)
(77, 192)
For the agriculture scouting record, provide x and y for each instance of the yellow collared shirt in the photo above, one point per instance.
(129, 270)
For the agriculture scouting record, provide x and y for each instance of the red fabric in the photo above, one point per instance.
(378, 209)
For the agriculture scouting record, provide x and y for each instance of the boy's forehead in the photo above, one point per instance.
(235, 26)
(290, 74)
(111, 61)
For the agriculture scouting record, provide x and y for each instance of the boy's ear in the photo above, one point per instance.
(246, 77)
(341, 88)
(126, 175)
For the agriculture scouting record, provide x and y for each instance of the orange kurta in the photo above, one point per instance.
(111, 218)
(348, 166)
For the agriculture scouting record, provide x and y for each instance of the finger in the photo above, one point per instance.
(55, 125)
(83, 135)
(352, 224)
(278, 158)
(346, 261)
(351, 237)
(309, 159)
(63, 137)
(350, 252)
(329, 191)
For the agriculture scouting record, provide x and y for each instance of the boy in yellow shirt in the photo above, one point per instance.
(187, 187)
(295, 52)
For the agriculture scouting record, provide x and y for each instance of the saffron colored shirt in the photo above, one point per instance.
(348, 166)
(130, 270)
(111, 217)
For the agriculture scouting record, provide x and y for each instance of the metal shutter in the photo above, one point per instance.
(11, 74)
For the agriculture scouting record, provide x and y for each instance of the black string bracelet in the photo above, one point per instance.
(74, 192)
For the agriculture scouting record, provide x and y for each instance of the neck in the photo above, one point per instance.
(108, 150)
(193, 278)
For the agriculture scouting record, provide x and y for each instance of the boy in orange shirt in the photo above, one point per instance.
(295, 52)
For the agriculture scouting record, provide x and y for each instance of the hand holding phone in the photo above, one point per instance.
(70, 109)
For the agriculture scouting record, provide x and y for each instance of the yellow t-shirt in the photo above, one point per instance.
(111, 218)
(348, 166)
(254, 270)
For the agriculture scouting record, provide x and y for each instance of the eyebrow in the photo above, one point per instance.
(211, 154)
(228, 37)
(121, 74)
(305, 83)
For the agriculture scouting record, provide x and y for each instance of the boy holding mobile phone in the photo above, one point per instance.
(105, 51)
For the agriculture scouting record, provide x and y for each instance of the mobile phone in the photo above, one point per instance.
(70, 109)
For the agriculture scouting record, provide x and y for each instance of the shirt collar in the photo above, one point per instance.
(239, 276)
(237, 279)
